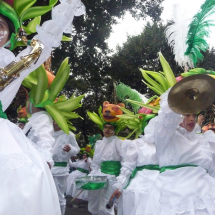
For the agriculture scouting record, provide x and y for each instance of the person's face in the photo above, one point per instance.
(4, 32)
(108, 130)
(21, 125)
(84, 156)
(189, 122)
(56, 127)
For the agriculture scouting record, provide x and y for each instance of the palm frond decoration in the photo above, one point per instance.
(199, 31)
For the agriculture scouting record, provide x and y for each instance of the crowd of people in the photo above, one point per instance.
(168, 170)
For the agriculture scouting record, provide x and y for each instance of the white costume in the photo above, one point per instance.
(109, 149)
(27, 187)
(141, 185)
(40, 128)
(185, 190)
(71, 185)
(60, 171)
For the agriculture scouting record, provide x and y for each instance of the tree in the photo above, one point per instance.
(141, 51)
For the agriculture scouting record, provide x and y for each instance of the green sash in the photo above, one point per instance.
(62, 164)
(111, 167)
(92, 186)
(140, 168)
(83, 170)
(164, 168)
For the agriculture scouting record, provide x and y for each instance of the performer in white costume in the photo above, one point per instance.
(83, 167)
(142, 178)
(27, 186)
(39, 130)
(65, 146)
(109, 160)
(185, 185)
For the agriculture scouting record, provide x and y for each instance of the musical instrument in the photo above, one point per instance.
(192, 94)
(91, 182)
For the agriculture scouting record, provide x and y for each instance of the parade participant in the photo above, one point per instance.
(142, 178)
(185, 159)
(33, 192)
(83, 166)
(107, 161)
(64, 147)
(39, 130)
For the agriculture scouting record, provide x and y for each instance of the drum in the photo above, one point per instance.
(91, 182)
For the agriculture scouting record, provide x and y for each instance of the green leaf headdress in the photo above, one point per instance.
(60, 110)
(22, 10)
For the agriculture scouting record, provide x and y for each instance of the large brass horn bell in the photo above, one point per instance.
(192, 94)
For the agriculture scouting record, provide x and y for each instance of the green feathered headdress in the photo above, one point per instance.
(61, 109)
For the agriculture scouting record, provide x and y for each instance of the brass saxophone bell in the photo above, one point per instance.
(192, 94)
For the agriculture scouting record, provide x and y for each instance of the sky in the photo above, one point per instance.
(129, 26)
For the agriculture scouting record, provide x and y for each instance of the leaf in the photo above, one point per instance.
(152, 88)
(151, 81)
(37, 11)
(170, 77)
(31, 27)
(155, 109)
(21, 5)
(126, 111)
(159, 78)
(66, 39)
(95, 118)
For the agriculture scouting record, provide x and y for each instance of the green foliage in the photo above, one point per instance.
(199, 30)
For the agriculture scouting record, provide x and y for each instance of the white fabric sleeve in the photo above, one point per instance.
(74, 164)
(161, 129)
(50, 34)
(210, 137)
(95, 165)
(43, 131)
(129, 154)
(73, 144)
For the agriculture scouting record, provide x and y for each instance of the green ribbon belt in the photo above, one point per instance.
(111, 167)
(83, 170)
(164, 168)
(140, 168)
(92, 186)
(62, 164)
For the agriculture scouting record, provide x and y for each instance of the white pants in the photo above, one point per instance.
(99, 198)
(60, 182)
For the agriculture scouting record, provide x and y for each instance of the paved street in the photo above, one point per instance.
(81, 210)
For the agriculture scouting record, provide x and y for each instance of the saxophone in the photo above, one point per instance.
(13, 70)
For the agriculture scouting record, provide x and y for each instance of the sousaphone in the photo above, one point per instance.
(192, 94)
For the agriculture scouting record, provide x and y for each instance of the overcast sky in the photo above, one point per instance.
(130, 26)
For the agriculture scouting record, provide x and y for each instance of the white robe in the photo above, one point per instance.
(71, 185)
(60, 174)
(27, 186)
(185, 190)
(140, 186)
(41, 133)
